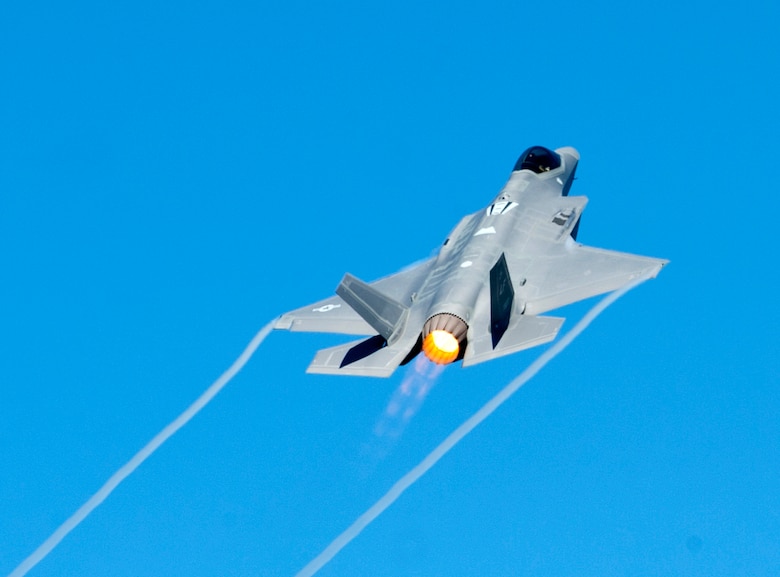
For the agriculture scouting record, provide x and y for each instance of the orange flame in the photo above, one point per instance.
(441, 347)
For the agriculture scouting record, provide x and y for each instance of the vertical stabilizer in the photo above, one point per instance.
(383, 313)
(502, 295)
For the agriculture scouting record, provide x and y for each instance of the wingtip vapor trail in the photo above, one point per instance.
(464, 429)
(82, 512)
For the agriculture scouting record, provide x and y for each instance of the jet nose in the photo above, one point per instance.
(570, 150)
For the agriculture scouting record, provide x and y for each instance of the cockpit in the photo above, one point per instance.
(538, 159)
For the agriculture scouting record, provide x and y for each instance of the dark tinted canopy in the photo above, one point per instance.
(538, 159)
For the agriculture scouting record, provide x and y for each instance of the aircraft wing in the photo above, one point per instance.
(334, 315)
(568, 272)
(558, 274)
(552, 270)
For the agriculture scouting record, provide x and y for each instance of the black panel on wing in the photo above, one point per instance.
(502, 295)
(363, 349)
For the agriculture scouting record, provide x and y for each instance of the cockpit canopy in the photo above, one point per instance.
(538, 159)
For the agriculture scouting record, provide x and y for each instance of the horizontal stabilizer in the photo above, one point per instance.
(333, 315)
(524, 332)
(367, 358)
(381, 312)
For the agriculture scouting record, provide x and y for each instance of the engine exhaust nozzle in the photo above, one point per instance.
(442, 338)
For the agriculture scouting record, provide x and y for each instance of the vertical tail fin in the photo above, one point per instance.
(384, 314)
(502, 295)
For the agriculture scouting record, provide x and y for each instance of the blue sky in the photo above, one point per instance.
(174, 176)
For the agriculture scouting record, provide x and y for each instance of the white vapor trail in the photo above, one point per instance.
(115, 479)
(457, 435)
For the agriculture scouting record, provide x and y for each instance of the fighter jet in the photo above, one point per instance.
(483, 295)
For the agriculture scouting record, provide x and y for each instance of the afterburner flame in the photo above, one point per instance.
(441, 347)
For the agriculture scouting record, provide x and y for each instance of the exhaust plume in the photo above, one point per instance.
(115, 479)
(455, 437)
(419, 379)
(407, 399)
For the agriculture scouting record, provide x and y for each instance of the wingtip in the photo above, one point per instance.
(283, 322)
(661, 263)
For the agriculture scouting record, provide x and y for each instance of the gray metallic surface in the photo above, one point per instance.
(384, 314)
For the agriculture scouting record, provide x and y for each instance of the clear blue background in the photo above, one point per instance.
(174, 175)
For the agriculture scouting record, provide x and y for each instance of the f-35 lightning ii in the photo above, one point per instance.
(482, 296)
